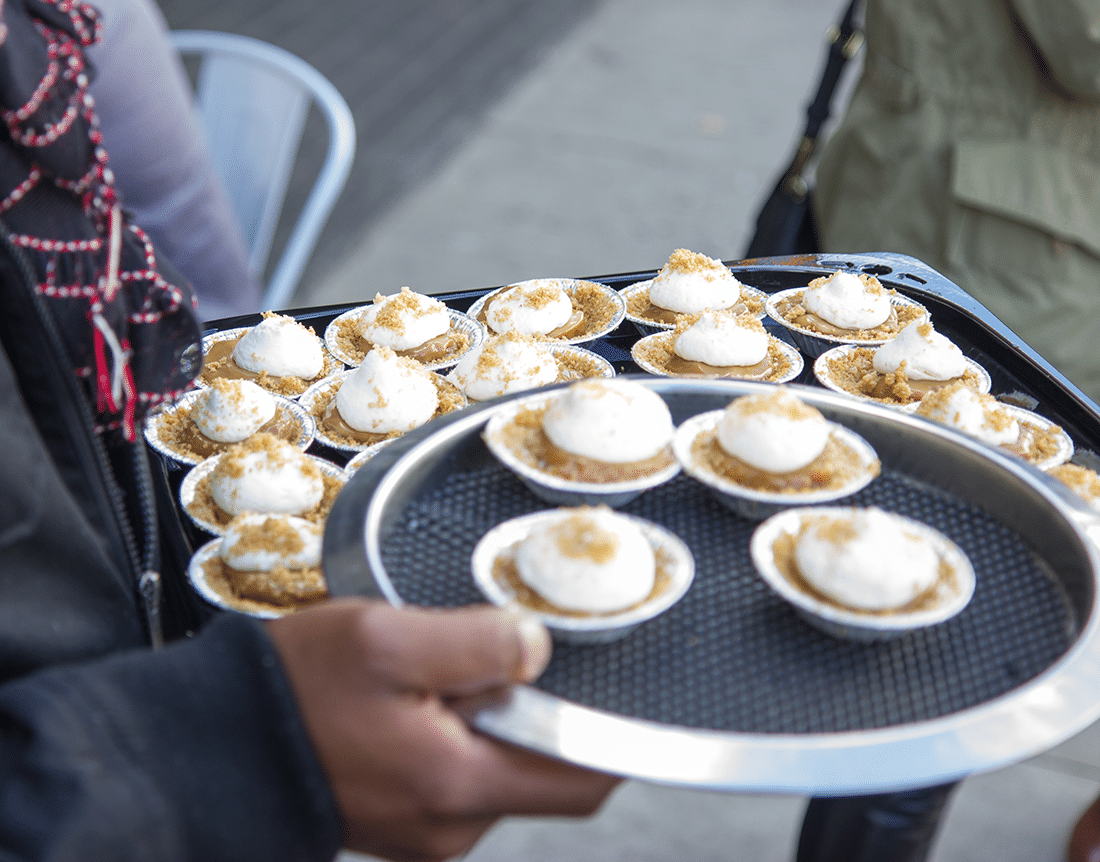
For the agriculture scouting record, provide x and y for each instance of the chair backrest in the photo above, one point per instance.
(253, 99)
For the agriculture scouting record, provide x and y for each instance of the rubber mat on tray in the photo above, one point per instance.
(733, 656)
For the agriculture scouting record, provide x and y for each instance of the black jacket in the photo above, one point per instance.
(111, 750)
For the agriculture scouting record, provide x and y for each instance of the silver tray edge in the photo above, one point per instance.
(1032, 718)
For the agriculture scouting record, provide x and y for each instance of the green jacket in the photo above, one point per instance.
(972, 142)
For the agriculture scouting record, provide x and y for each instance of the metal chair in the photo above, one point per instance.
(253, 98)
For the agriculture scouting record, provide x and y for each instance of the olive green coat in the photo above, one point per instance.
(972, 142)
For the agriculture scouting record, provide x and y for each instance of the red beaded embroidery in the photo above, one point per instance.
(65, 78)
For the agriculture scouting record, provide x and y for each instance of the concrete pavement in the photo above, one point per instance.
(654, 126)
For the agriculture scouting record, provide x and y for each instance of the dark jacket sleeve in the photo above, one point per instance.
(109, 750)
(194, 752)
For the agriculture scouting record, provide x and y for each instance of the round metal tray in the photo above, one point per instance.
(730, 689)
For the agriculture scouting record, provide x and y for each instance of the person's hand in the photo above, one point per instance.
(412, 781)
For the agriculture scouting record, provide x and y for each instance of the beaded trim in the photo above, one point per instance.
(65, 81)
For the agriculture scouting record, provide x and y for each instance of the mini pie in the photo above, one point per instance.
(595, 432)
(594, 309)
(396, 320)
(589, 574)
(791, 309)
(264, 564)
(1012, 429)
(777, 444)
(690, 283)
(853, 371)
(321, 403)
(174, 431)
(220, 348)
(310, 489)
(663, 352)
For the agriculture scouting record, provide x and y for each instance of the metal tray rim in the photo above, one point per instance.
(1044, 711)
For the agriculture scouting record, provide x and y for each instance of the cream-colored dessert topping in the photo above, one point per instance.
(280, 346)
(504, 364)
(848, 301)
(387, 393)
(229, 411)
(591, 560)
(923, 353)
(404, 320)
(776, 431)
(691, 282)
(975, 413)
(265, 474)
(613, 421)
(534, 307)
(868, 560)
(264, 542)
(722, 339)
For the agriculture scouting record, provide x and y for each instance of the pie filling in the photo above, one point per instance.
(218, 362)
(525, 438)
(506, 574)
(281, 588)
(181, 434)
(945, 587)
(836, 467)
(646, 310)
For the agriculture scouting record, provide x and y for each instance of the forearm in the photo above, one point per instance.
(195, 752)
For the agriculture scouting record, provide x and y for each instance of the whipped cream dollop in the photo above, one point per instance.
(533, 307)
(925, 353)
(615, 421)
(591, 560)
(387, 393)
(282, 347)
(404, 320)
(266, 474)
(775, 432)
(869, 560)
(264, 542)
(230, 411)
(975, 413)
(503, 364)
(691, 282)
(722, 339)
(848, 301)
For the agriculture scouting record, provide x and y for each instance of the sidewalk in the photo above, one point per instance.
(657, 126)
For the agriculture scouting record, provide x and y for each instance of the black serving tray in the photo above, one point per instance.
(730, 689)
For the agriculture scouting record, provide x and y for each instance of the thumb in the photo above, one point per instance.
(457, 651)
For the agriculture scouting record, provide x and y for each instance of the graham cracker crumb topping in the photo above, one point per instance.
(541, 296)
(271, 534)
(1081, 480)
(396, 309)
(780, 403)
(580, 537)
(279, 454)
(694, 263)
